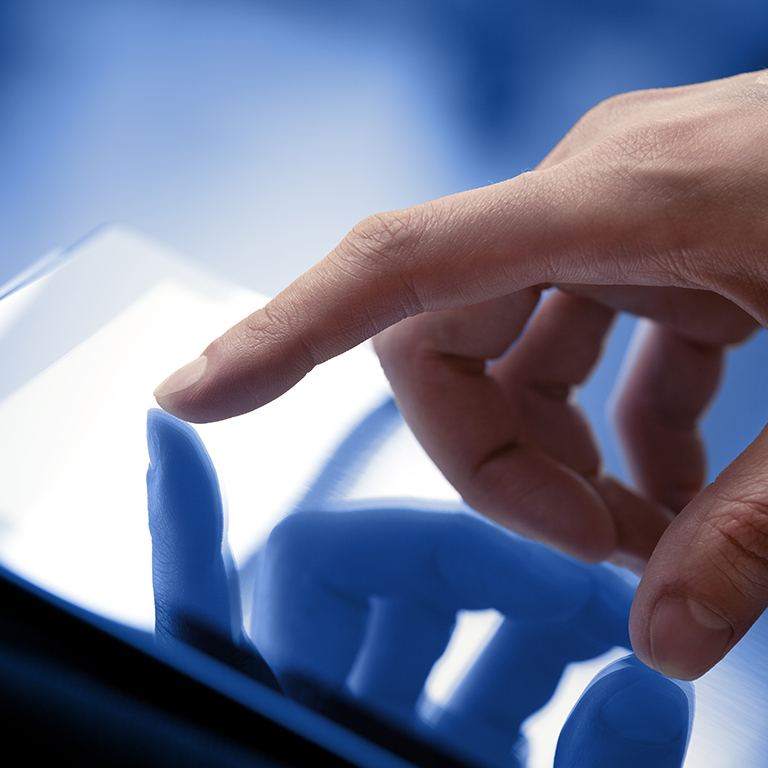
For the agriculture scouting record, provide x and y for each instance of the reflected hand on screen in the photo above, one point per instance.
(362, 602)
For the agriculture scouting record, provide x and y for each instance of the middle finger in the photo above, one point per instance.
(461, 412)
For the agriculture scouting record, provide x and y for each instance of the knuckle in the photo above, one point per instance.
(384, 237)
(616, 108)
(603, 119)
(386, 248)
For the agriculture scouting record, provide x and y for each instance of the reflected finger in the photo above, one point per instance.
(630, 716)
(197, 595)
(520, 668)
(403, 639)
(191, 581)
(449, 560)
(321, 569)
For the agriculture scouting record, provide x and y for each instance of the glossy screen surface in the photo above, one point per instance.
(81, 349)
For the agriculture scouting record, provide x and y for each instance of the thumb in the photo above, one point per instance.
(707, 581)
(552, 225)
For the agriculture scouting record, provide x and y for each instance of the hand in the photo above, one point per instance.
(337, 609)
(654, 203)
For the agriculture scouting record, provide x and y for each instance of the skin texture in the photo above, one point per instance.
(654, 203)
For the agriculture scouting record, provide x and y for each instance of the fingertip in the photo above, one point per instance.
(182, 484)
(184, 395)
(182, 379)
(212, 387)
(686, 637)
(160, 430)
(159, 420)
(647, 712)
(169, 436)
(629, 715)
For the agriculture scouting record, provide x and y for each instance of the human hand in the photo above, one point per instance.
(336, 608)
(655, 203)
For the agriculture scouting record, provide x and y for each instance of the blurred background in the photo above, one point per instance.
(250, 135)
(254, 133)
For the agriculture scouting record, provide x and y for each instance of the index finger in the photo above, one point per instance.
(558, 224)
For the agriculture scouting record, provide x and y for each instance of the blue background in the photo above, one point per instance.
(251, 135)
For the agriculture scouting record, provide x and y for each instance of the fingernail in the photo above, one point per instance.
(185, 377)
(687, 638)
